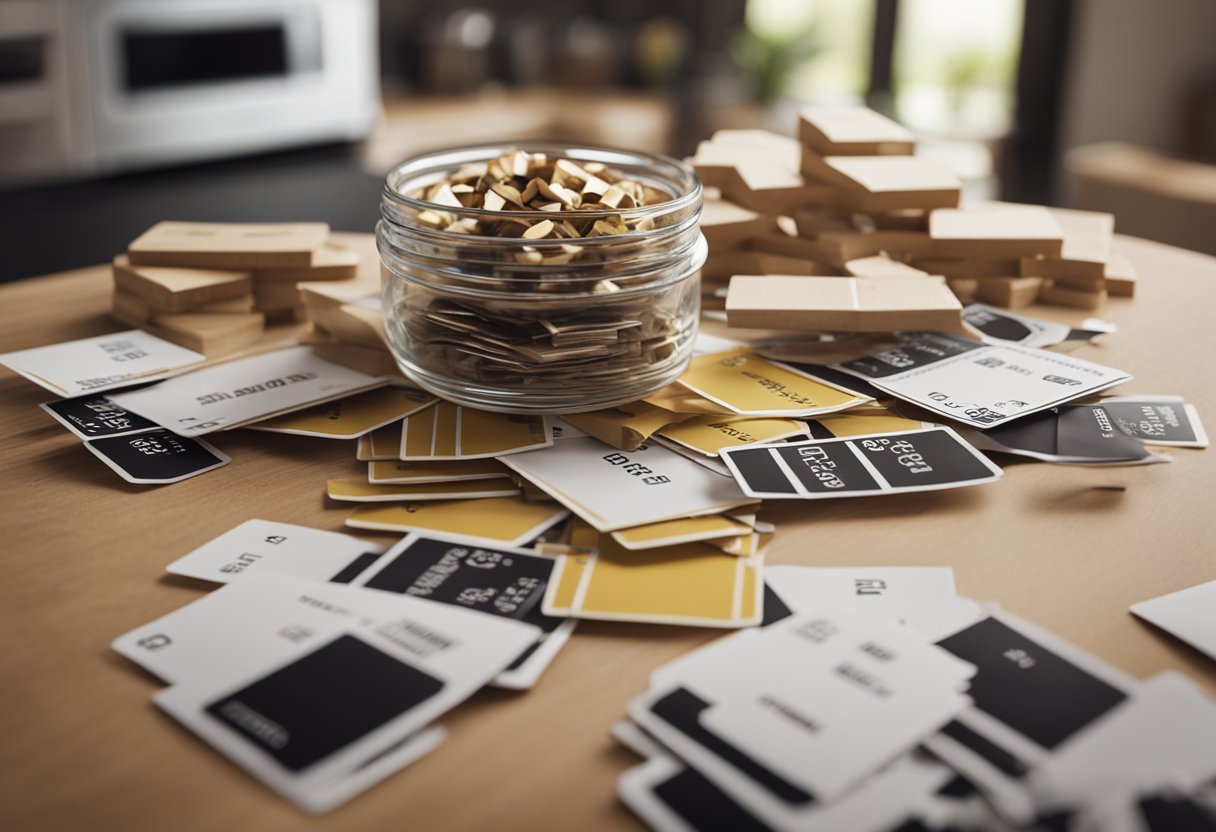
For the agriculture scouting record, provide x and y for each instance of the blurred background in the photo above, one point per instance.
(115, 114)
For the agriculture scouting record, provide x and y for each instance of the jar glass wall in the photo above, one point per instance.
(524, 325)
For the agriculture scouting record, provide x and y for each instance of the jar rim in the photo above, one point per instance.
(682, 174)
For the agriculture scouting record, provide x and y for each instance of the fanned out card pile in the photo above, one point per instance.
(848, 197)
(878, 699)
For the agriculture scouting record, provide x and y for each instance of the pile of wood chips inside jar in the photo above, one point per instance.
(494, 340)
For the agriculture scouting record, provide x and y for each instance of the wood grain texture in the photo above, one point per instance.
(84, 557)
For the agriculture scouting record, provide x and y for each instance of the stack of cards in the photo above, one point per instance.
(322, 663)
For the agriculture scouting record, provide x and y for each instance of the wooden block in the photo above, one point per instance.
(129, 309)
(352, 324)
(811, 222)
(884, 183)
(330, 262)
(1076, 273)
(908, 219)
(178, 289)
(964, 288)
(758, 170)
(964, 267)
(1078, 298)
(996, 233)
(841, 304)
(204, 245)
(242, 304)
(853, 131)
(275, 295)
(879, 266)
(375, 362)
(748, 261)
(1009, 292)
(1120, 277)
(211, 334)
(839, 247)
(728, 226)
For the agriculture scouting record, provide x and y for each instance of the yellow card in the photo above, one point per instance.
(627, 426)
(693, 584)
(850, 424)
(685, 530)
(394, 471)
(450, 431)
(710, 434)
(382, 443)
(498, 520)
(351, 417)
(362, 491)
(753, 386)
(679, 399)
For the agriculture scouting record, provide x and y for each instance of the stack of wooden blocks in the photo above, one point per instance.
(849, 198)
(213, 287)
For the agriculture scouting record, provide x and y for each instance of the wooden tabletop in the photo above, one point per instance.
(84, 555)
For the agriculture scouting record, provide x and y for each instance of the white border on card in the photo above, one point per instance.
(224, 459)
(329, 797)
(635, 788)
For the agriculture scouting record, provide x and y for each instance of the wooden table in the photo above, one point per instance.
(84, 557)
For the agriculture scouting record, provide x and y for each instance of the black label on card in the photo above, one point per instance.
(1035, 433)
(1148, 421)
(774, 608)
(1001, 759)
(824, 373)
(1031, 689)
(323, 702)
(355, 568)
(682, 710)
(156, 456)
(464, 575)
(96, 416)
(761, 472)
(704, 806)
(1175, 814)
(919, 349)
(995, 325)
(932, 457)
(828, 468)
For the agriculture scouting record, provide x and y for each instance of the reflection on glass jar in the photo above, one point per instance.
(541, 324)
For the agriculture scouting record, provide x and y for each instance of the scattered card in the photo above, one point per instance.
(157, 457)
(95, 417)
(279, 548)
(692, 584)
(351, 417)
(1188, 614)
(1072, 434)
(1000, 326)
(107, 362)
(389, 472)
(245, 390)
(361, 491)
(502, 521)
(1158, 420)
(924, 460)
(450, 431)
(753, 386)
(978, 384)
(708, 435)
(380, 444)
(613, 489)
(684, 530)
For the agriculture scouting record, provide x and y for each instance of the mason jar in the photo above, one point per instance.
(519, 325)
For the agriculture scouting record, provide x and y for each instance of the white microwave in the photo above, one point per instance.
(91, 86)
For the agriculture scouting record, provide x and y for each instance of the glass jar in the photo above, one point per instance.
(542, 326)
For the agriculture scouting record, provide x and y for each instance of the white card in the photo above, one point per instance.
(325, 711)
(1000, 326)
(978, 384)
(613, 489)
(107, 362)
(921, 598)
(281, 548)
(245, 390)
(1188, 614)
(1164, 736)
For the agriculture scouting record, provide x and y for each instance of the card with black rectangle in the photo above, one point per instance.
(92, 417)
(321, 703)
(1158, 420)
(158, 457)
(758, 472)
(493, 581)
(828, 467)
(916, 350)
(1086, 432)
(1028, 687)
(923, 458)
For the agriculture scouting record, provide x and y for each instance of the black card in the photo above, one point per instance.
(90, 417)
(1028, 687)
(704, 806)
(480, 578)
(1035, 433)
(1088, 431)
(156, 457)
(1149, 421)
(321, 703)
